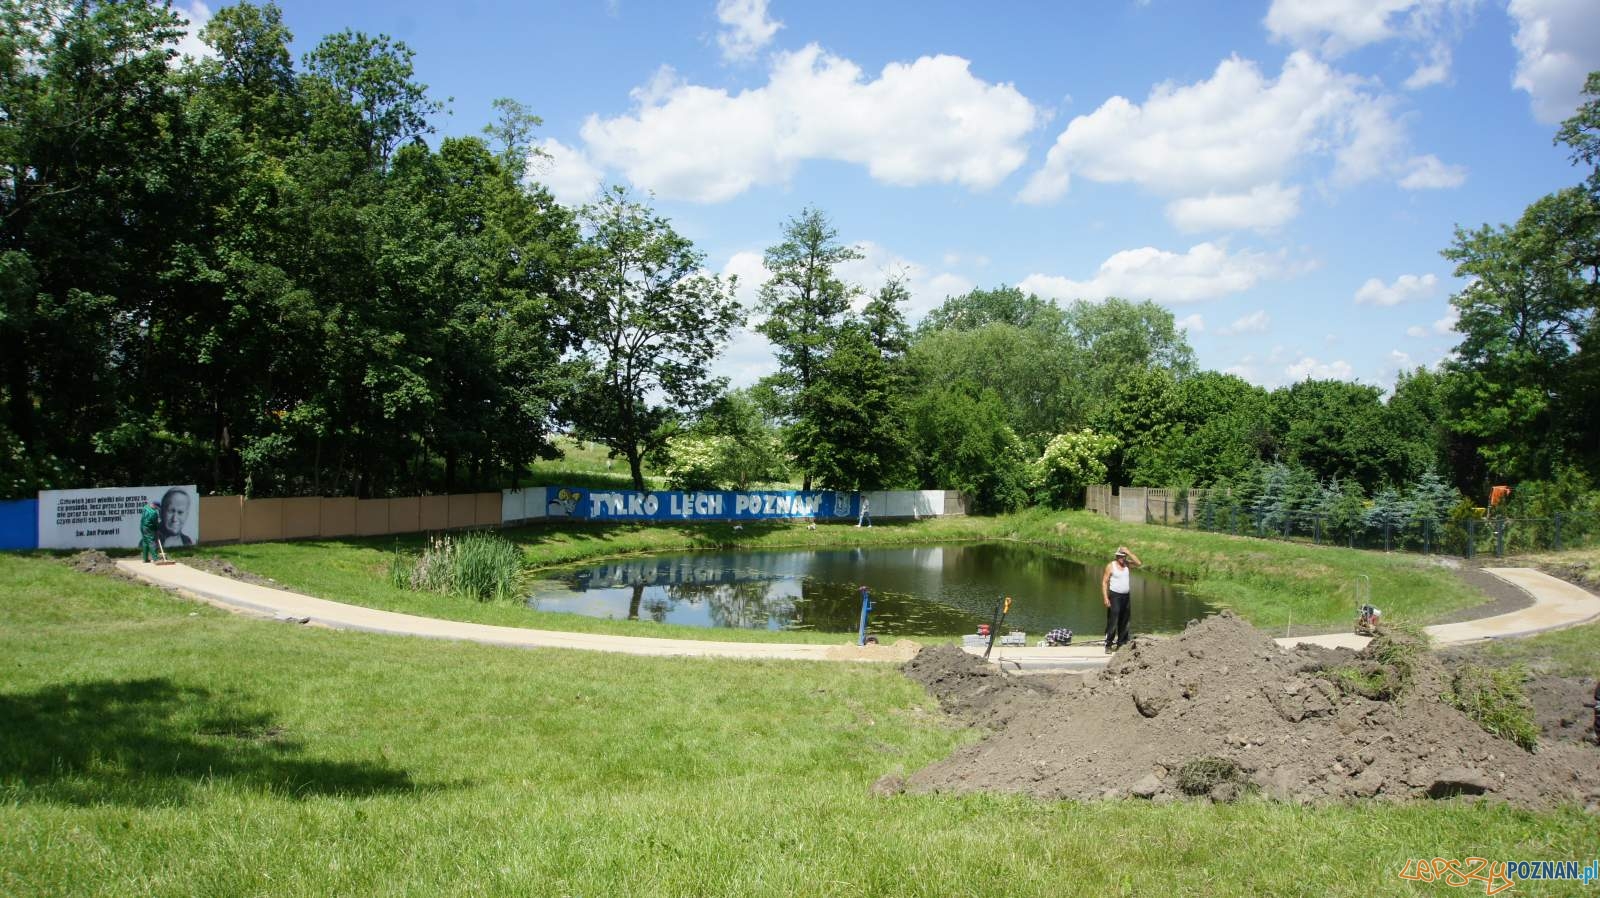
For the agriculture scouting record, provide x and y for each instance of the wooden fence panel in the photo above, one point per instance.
(372, 517)
(263, 520)
(302, 517)
(338, 517)
(462, 511)
(221, 518)
(488, 510)
(434, 513)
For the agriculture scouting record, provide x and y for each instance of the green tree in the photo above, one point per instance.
(804, 302)
(371, 78)
(1002, 305)
(965, 442)
(850, 423)
(734, 444)
(1120, 337)
(1337, 429)
(1526, 312)
(652, 324)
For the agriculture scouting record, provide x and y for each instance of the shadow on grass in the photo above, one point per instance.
(151, 742)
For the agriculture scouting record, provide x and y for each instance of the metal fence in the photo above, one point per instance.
(1468, 537)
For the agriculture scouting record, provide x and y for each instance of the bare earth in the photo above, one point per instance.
(1224, 690)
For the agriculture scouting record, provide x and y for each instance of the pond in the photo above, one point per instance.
(926, 590)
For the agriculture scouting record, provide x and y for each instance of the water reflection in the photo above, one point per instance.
(939, 590)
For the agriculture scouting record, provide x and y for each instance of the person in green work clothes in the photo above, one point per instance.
(149, 521)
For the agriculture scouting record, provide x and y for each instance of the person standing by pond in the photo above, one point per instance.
(1116, 587)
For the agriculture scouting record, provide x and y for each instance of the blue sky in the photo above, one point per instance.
(1281, 175)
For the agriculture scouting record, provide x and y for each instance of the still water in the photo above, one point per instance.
(929, 590)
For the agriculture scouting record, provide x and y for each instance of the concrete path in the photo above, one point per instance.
(282, 604)
(1556, 603)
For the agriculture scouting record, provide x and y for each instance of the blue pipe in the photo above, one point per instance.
(866, 606)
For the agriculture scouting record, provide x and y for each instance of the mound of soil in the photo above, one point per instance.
(94, 561)
(969, 688)
(1222, 696)
(1558, 707)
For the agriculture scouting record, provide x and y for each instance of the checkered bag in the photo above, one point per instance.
(1058, 636)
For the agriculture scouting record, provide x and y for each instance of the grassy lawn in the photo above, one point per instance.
(1572, 652)
(153, 746)
(1270, 583)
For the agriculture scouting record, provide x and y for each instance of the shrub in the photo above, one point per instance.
(1494, 698)
(1072, 461)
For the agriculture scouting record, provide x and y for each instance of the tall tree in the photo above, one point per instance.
(850, 423)
(652, 323)
(803, 302)
(1525, 314)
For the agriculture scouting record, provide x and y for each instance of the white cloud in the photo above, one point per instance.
(1206, 271)
(573, 180)
(1229, 142)
(1558, 45)
(189, 44)
(1254, 323)
(928, 288)
(1447, 324)
(1194, 324)
(745, 28)
(1308, 368)
(1405, 287)
(1428, 173)
(1333, 28)
(751, 273)
(1416, 330)
(1263, 208)
(1394, 363)
(747, 358)
(929, 121)
(1435, 70)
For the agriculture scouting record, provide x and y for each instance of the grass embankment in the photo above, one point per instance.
(152, 746)
(1272, 584)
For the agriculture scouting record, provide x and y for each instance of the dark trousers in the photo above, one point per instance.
(1117, 620)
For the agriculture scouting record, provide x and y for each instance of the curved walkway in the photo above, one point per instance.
(1556, 603)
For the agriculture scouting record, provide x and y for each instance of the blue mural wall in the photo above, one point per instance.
(19, 524)
(584, 504)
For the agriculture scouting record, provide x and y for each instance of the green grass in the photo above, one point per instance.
(1571, 652)
(1495, 699)
(1272, 584)
(154, 746)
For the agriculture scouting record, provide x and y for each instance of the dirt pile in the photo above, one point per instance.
(224, 568)
(1221, 710)
(969, 688)
(93, 561)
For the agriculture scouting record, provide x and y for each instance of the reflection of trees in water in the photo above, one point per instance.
(748, 604)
